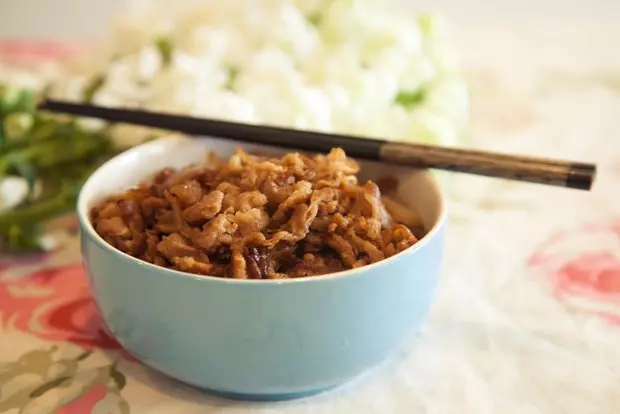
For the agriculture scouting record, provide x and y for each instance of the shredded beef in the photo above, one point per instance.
(255, 217)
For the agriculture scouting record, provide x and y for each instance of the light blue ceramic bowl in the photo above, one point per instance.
(260, 339)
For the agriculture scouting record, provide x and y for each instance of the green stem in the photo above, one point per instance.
(41, 211)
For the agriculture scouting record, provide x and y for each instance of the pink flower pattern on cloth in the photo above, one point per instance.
(588, 277)
(86, 401)
(55, 304)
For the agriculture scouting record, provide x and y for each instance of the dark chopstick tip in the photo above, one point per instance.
(581, 177)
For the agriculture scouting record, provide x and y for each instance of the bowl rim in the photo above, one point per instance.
(87, 230)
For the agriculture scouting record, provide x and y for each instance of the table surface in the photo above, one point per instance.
(528, 314)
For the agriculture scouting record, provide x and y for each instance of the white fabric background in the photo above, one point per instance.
(497, 340)
(67, 19)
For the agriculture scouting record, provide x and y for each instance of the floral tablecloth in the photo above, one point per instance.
(528, 316)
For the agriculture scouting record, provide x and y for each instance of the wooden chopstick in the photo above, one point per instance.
(561, 173)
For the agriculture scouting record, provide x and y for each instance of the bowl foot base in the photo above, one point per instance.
(267, 397)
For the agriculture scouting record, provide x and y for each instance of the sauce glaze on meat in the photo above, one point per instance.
(254, 217)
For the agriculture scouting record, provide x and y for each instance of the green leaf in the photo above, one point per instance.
(315, 18)
(25, 170)
(26, 101)
(409, 99)
(426, 23)
(17, 124)
(42, 129)
(9, 96)
(16, 99)
(41, 210)
(54, 150)
(91, 89)
(233, 73)
(21, 239)
(70, 144)
(164, 45)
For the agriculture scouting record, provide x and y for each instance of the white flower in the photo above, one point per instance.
(225, 105)
(389, 122)
(420, 70)
(148, 63)
(26, 78)
(291, 31)
(314, 109)
(203, 40)
(267, 64)
(430, 126)
(71, 89)
(338, 96)
(330, 65)
(451, 98)
(13, 190)
(395, 33)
